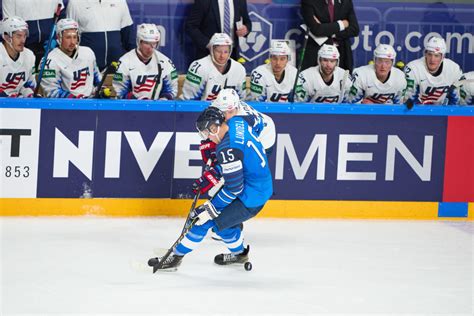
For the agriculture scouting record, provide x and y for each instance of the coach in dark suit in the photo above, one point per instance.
(334, 19)
(206, 18)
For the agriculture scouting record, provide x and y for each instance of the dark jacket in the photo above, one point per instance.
(204, 21)
(343, 10)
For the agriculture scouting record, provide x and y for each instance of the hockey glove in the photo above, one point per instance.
(205, 212)
(208, 179)
(208, 151)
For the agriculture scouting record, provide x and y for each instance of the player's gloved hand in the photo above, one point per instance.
(208, 179)
(208, 151)
(105, 93)
(205, 212)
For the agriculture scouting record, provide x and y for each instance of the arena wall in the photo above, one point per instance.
(138, 158)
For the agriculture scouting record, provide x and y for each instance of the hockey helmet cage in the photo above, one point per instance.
(436, 45)
(385, 51)
(210, 116)
(227, 100)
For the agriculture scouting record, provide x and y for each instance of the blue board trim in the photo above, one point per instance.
(453, 209)
(197, 106)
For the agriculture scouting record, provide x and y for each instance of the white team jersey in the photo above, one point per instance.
(136, 79)
(90, 15)
(31, 10)
(69, 77)
(424, 88)
(17, 76)
(365, 85)
(312, 88)
(467, 89)
(262, 124)
(264, 86)
(204, 82)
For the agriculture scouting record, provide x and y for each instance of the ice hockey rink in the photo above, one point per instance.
(94, 266)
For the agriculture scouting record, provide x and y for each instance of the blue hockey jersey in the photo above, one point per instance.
(244, 166)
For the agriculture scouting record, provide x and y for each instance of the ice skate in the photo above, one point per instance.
(170, 264)
(230, 258)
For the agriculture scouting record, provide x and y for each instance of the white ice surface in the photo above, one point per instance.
(86, 265)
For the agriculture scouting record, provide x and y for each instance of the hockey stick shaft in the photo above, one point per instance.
(196, 198)
(343, 86)
(188, 224)
(48, 48)
(291, 97)
(160, 263)
(158, 77)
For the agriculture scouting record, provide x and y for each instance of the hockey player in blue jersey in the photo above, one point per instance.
(248, 186)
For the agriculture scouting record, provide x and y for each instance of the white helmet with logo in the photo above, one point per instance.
(227, 100)
(9, 25)
(148, 32)
(385, 51)
(66, 24)
(219, 39)
(279, 48)
(436, 45)
(329, 52)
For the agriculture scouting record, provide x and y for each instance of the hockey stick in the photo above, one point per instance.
(343, 85)
(111, 69)
(291, 96)
(45, 57)
(158, 77)
(188, 224)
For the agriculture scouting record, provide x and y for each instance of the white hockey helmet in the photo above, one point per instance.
(279, 48)
(329, 52)
(219, 39)
(9, 25)
(385, 51)
(66, 24)
(148, 32)
(227, 100)
(436, 45)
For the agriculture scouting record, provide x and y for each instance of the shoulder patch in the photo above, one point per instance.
(49, 73)
(118, 77)
(193, 78)
(174, 75)
(256, 88)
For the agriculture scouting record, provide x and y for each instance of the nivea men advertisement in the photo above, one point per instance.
(148, 154)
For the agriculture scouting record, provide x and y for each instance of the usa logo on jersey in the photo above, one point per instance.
(433, 94)
(145, 83)
(79, 77)
(381, 98)
(332, 99)
(13, 80)
(279, 97)
(215, 91)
